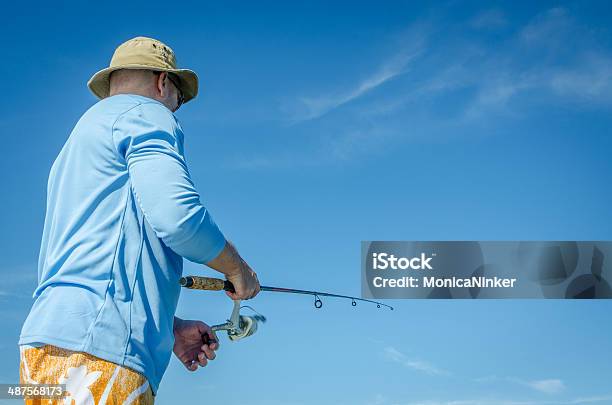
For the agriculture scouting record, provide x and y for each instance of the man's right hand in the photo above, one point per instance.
(245, 283)
(237, 271)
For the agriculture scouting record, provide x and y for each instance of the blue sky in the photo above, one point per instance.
(322, 124)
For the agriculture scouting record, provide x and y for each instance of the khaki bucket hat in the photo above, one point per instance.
(144, 53)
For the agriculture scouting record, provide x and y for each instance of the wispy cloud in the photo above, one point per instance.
(547, 26)
(336, 148)
(592, 80)
(445, 80)
(410, 45)
(547, 386)
(536, 60)
(396, 356)
(551, 386)
(317, 106)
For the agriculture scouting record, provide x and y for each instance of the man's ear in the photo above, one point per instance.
(161, 83)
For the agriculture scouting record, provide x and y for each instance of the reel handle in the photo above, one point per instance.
(206, 283)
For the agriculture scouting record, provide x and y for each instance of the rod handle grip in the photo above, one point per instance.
(206, 283)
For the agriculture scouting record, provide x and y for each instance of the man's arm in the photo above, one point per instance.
(147, 138)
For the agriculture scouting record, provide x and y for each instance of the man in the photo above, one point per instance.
(122, 212)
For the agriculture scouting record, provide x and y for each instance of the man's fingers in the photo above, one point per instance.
(209, 352)
(188, 362)
(243, 295)
(211, 344)
(202, 359)
(209, 337)
(256, 291)
(237, 295)
(215, 340)
(246, 285)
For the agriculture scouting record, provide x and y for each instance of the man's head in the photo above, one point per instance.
(147, 67)
(161, 86)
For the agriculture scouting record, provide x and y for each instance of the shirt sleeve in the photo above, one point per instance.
(150, 140)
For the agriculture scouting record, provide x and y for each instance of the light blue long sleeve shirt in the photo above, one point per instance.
(121, 214)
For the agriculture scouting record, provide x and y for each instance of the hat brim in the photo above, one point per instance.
(99, 84)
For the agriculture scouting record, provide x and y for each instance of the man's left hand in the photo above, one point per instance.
(189, 346)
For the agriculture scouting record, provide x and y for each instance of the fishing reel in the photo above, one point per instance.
(240, 326)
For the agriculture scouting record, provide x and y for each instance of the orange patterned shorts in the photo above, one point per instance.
(89, 380)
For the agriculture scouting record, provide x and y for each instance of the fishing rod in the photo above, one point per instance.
(240, 326)
(217, 284)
